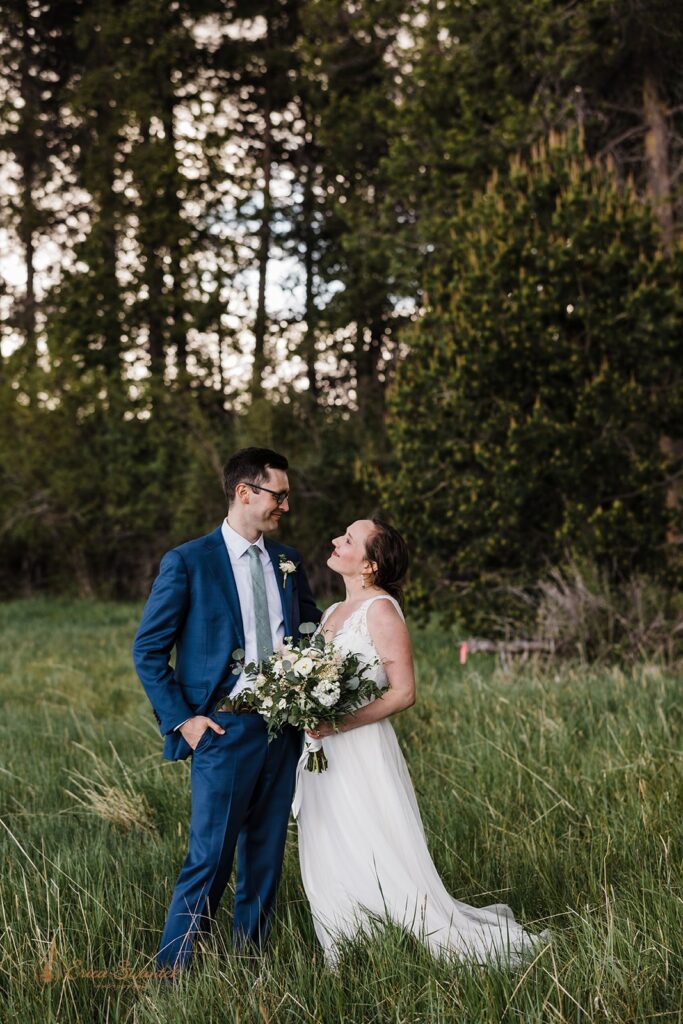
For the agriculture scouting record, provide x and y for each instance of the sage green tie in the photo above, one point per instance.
(264, 640)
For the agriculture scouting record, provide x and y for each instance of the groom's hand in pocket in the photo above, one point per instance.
(194, 728)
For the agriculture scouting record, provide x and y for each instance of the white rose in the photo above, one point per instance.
(288, 566)
(303, 666)
(260, 680)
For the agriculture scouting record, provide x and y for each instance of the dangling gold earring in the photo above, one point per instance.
(364, 578)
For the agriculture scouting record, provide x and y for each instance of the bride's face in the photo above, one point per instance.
(348, 551)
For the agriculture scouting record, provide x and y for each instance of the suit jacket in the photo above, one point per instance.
(193, 606)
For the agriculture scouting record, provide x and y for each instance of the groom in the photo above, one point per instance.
(225, 591)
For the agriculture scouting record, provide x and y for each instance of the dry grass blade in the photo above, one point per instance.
(109, 792)
(577, 611)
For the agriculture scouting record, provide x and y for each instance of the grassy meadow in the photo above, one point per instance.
(555, 790)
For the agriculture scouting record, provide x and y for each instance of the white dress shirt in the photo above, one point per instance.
(237, 547)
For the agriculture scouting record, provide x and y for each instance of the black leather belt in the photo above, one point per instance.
(227, 704)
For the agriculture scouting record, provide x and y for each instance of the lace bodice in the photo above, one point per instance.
(354, 636)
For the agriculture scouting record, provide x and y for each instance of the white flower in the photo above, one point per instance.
(326, 694)
(303, 666)
(267, 702)
(282, 703)
(260, 680)
(286, 567)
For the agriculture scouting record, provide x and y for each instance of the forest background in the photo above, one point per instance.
(430, 250)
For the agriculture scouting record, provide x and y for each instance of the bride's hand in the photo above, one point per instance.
(321, 730)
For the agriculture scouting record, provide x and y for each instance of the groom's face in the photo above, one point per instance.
(264, 511)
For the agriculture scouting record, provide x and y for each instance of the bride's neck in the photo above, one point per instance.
(355, 591)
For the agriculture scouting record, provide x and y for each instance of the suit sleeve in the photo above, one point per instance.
(308, 609)
(155, 638)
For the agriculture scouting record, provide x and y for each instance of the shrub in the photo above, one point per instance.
(527, 418)
(584, 614)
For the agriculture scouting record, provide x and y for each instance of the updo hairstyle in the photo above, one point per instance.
(388, 549)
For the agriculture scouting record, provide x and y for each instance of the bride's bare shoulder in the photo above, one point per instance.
(384, 615)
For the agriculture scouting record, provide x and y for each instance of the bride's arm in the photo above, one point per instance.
(390, 637)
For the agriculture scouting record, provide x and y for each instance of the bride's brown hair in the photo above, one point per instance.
(388, 549)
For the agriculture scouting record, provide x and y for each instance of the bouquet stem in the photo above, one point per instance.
(316, 762)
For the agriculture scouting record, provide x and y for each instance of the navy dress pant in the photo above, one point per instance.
(242, 788)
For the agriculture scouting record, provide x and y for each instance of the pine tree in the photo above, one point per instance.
(526, 420)
(36, 59)
(346, 57)
(481, 82)
(254, 73)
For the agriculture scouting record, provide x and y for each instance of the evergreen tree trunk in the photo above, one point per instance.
(369, 388)
(154, 282)
(178, 334)
(308, 346)
(107, 231)
(28, 214)
(27, 240)
(264, 248)
(99, 179)
(657, 155)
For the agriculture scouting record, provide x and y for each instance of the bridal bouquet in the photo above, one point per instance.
(306, 683)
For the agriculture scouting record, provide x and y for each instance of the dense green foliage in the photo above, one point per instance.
(219, 219)
(559, 794)
(527, 418)
(94, 499)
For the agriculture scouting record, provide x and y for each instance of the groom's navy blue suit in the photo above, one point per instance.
(242, 786)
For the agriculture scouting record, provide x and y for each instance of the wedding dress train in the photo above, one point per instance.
(362, 847)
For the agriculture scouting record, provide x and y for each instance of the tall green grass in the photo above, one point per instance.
(556, 792)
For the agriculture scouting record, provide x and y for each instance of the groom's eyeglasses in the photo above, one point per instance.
(280, 496)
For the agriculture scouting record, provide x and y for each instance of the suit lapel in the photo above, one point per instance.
(285, 592)
(222, 570)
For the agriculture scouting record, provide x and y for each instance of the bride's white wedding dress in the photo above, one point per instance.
(362, 847)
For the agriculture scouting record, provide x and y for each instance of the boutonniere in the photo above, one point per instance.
(286, 567)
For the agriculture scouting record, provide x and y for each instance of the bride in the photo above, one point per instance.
(362, 846)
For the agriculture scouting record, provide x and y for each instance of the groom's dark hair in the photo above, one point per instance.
(250, 464)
